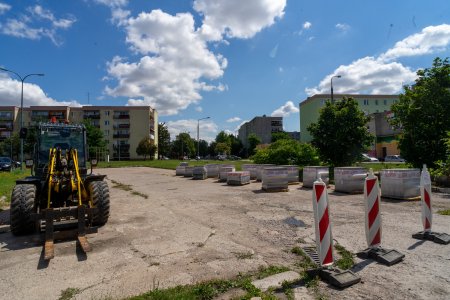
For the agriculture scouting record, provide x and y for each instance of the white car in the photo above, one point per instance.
(368, 158)
(394, 158)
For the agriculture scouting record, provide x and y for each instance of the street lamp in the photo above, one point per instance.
(198, 136)
(21, 108)
(336, 76)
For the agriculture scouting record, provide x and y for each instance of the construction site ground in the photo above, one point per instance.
(166, 231)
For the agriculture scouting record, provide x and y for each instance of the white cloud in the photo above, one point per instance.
(366, 75)
(239, 126)
(342, 26)
(10, 92)
(199, 109)
(207, 129)
(25, 25)
(176, 65)
(431, 39)
(4, 8)
(382, 75)
(112, 3)
(236, 18)
(285, 110)
(274, 51)
(234, 119)
(307, 25)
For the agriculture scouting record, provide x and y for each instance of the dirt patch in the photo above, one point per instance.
(189, 231)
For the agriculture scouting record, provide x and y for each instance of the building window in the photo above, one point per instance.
(322, 102)
(376, 101)
(106, 132)
(366, 102)
(106, 112)
(106, 123)
(385, 102)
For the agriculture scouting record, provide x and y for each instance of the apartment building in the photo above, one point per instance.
(123, 127)
(263, 127)
(310, 108)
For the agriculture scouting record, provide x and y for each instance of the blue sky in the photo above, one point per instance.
(229, 60)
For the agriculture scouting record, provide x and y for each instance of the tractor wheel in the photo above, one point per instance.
(22, 207)
(99, 192)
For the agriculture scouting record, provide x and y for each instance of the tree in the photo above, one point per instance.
(146, 147)
(340, 134)
(163, 140)
(223, 137)
(237, 148)
(422, 113)
(223, 148)
(94, 137)
(183, 145)
(203, 148)
(253, 141)
(287, 151)
(10, 147)
(280, 136)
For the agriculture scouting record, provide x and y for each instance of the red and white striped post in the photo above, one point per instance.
(372, 210)
(425, 193)
(324, 238)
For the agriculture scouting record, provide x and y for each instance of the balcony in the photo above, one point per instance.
(122, 147)
(121, 116)
(6, 117)
(121, 135)
(121, 126)
(91, 116)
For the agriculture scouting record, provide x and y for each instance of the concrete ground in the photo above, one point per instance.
(190, 231)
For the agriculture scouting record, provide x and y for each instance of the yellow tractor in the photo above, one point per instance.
(60, 193)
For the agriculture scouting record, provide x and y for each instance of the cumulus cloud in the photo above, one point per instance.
(175, 67)
(236, 18)
(383, 75)
(10, 92)
(4, 8)
(307, 25)
(366, 75)
(199, 109)
(234, 119)
(342, 26)
(285, 110)
(119, 15)
(274, 51)
(431, 39)
(36, 24)
(208, 129)
(239, 126)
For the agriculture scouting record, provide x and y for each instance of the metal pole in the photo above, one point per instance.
(337, 76)
(198, 135)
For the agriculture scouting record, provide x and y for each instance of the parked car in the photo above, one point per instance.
(394, 158)
(368, 158)
(7, 163)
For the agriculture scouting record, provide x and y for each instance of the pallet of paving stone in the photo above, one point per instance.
(275, 179)
(212, 170)
(224, 170)
(252, 168)
(238, 178)
(188, 171)
(184, 163)
(199, 173)
(292, 174)
(179, 171)
(259, 170)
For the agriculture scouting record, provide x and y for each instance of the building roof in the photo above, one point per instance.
(358, 96)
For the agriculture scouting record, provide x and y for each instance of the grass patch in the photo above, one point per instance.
(346, 261)
(444, 212)
(122, 186)
(213, 288)
(140, 194)
(8, 181)
(244, 255)
(170, 164)
(68, 293)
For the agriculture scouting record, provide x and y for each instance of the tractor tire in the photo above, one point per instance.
(99, 192)
(22, 207)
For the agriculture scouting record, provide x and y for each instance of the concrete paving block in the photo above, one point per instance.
(275, 280)
(301, 293)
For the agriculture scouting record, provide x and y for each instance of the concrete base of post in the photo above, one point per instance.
(439, 238)
(387, 257)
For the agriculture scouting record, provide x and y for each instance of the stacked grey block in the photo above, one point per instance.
(311, 173)
(250, 168)
(212, 170)
(199, 173)
(275, 179)
(349, 179)
(292, 173)
(188, 171)
(400, 183)
(180, 169)
(238, 178)
(224, 170)
(259, 170)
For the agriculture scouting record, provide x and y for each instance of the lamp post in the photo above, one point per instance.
(22, 79)
(336, 76)
(198, 136)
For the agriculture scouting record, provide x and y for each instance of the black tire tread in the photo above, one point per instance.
(99, 191)
(22, 207)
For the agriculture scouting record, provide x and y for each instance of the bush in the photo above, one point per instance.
(287, 152)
